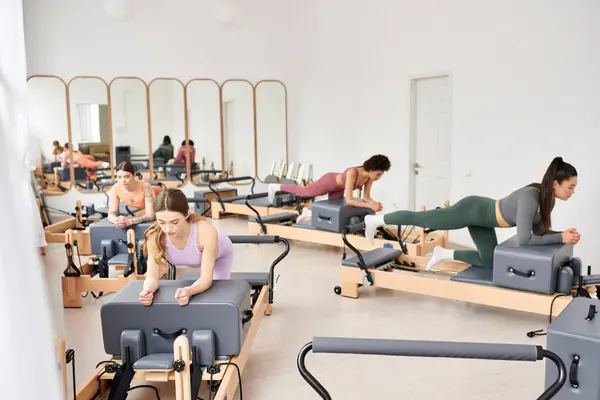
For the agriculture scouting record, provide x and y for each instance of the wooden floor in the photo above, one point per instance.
(306, 306)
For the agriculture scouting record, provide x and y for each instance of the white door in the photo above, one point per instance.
(430, 142)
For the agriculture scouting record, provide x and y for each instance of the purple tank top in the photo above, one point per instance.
(190, 256)
(345, 174)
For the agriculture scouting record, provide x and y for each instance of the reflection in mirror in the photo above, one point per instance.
(49, 127)
(238, 128)
(204, 129)
(90, 134)
(271, 131)
(167, 120)
(129, 118)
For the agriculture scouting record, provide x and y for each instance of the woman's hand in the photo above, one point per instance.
(571, 236)
(146, 297)
(182, 296)
(375, 205)
(121, 222)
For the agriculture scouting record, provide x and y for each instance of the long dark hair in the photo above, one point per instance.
(126, 166)
(558, 171)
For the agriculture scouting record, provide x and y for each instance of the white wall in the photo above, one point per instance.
(270, 126)
(182, 39)
(524, 80)
(47, 113)
(204, 121)
(129, 115)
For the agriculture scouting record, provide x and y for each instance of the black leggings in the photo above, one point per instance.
(476, 213)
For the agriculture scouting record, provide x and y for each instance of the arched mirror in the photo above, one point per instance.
(204, 129)
(48, 121)
(271, 131)
(129, 118)
(238, 128)
(90, 134)
(167, 122)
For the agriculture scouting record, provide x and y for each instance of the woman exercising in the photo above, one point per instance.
(132, 192)
(527, 208)
(336, 185)
(185, 239)
(86, 161)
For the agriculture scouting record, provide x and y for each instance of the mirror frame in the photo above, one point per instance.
(253, 128)
(256, 125)
(109, 122)
(185, 124)
(188, 165)
(149, 129)
(68, 106)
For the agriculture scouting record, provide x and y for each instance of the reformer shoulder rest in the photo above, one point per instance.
(373, 257)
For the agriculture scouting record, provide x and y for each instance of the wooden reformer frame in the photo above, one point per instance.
(76, 281)
(418, 241)
(57, 232)
(409, 275)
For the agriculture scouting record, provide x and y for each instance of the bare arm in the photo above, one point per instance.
(367, 191)
(153, 273)
(113, 206)
(149, 207)
(350, 200)
(210, 248)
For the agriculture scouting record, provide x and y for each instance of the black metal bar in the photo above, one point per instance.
(234, 179)
(308, 377)
(361, 261)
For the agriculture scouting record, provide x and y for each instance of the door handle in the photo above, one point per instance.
(417, 165)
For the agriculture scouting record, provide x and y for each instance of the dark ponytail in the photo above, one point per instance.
(558, 171)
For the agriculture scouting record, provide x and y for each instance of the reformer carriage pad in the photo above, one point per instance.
(475, 275)
(374, 257)
(529, 268)
(253, 278)
(574, 335)
(220, 310)
(104, 230)
(279, 217)
(334, 215)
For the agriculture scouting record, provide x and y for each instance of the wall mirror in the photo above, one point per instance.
(271, 131)
(129, 119)
(238, 128)
(204, 129)
(167, 121)
(49, 126)
(90, 134)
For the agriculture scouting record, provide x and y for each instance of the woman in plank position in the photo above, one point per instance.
(132, 192)
(527, 208)
(185, 239)
(336, 185)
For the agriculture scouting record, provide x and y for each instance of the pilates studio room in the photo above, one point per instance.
(267, 199)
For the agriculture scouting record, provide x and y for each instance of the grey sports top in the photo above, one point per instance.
(520, 209)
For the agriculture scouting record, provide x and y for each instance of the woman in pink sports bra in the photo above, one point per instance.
(183, 239)
(336, 185)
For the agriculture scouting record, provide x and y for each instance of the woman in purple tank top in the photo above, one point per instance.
(183, 239)
(336, 185)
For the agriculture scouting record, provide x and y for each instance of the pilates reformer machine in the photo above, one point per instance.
(119, 248)
(330, 217)
(54, 179)
(572, 353)
(252, 204)
(208, 340)
(535, 279)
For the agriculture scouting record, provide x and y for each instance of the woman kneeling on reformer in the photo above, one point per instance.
(132, 192)
(336, 185)
(527, 208)
(182, 238)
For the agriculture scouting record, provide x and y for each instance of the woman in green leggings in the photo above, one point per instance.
(527, 208)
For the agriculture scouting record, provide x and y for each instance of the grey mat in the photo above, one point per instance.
(285, 216)
(253, 278)
(373, 257)
(119, 259)
(476, 275)
(305, 226)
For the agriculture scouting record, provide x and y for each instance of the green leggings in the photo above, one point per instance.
(473, 212)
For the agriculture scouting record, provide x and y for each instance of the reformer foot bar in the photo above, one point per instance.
(432, 349)
(535, 279)
(209, 340)
(238, 204)
(417, 242)
(93, 276)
